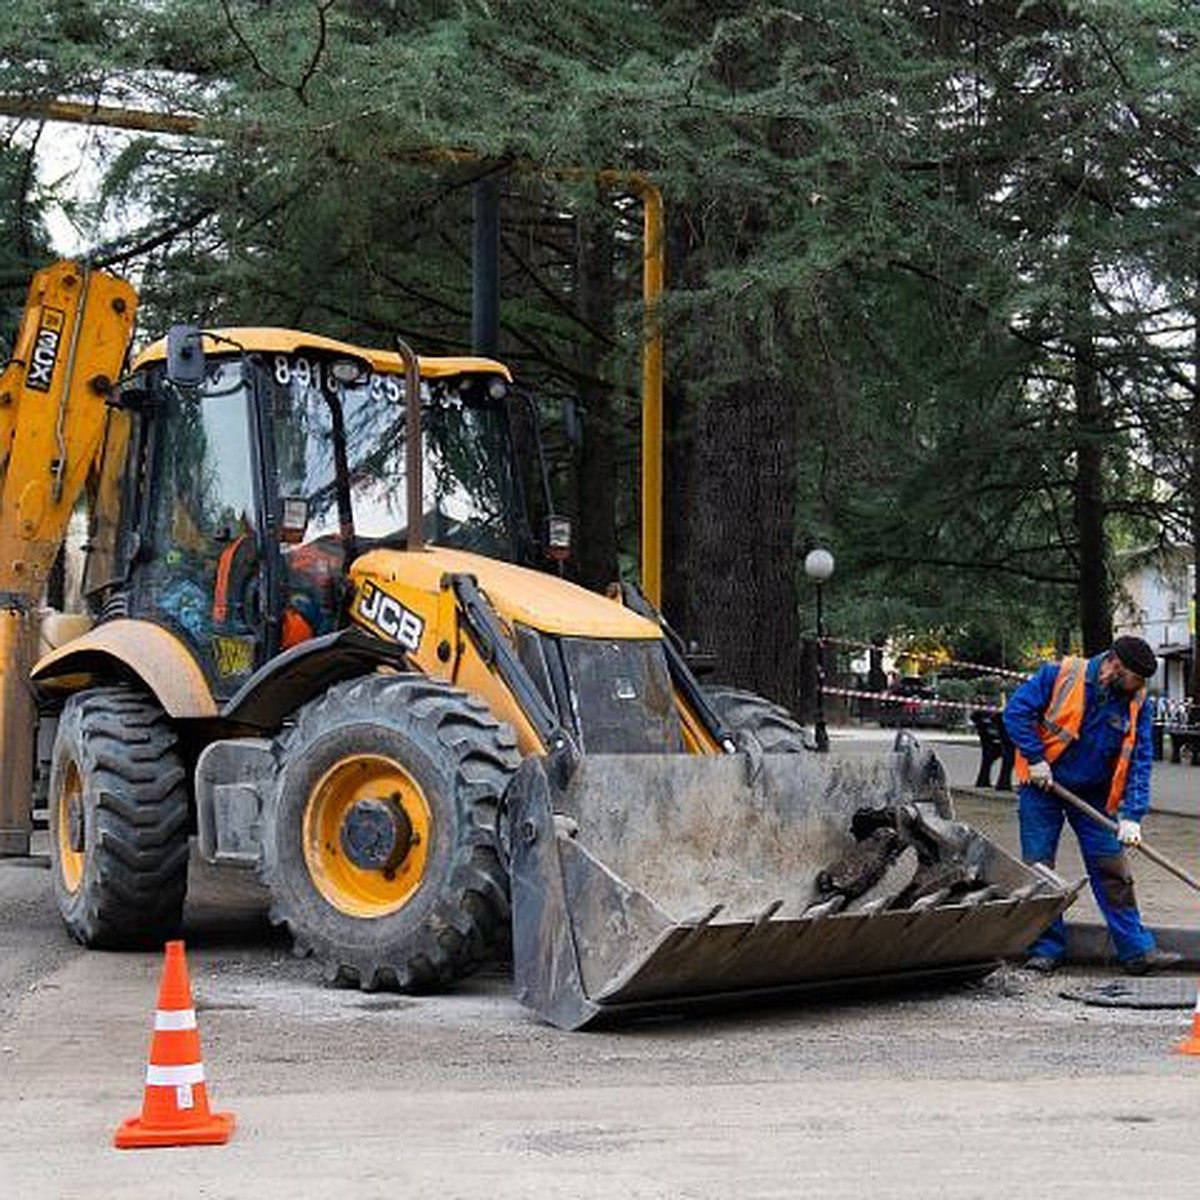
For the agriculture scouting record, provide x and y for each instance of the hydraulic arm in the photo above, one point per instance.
(73, 337)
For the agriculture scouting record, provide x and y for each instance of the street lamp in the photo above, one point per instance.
(818, 566)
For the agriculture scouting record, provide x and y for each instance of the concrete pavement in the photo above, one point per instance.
(1168, 905)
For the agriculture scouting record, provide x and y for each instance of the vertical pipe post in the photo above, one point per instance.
(485, 266)
(821, 733)
(818, 566)
(414, 462)
(653, 273)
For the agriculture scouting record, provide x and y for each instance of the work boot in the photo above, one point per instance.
(1043, 964)
(1154, 959)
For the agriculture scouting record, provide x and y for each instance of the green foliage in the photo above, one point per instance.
(23, 239)
(940, 260)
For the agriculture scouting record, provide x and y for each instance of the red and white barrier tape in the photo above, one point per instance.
(1002, 672)
(891, 700)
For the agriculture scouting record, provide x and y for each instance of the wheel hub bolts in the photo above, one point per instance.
(377, 835)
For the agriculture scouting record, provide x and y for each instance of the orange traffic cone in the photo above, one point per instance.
(1191, 1045)
(175, 1106)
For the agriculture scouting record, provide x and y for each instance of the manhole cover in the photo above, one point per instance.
(1166, 992)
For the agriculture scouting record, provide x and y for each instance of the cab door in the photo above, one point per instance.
(195, 543)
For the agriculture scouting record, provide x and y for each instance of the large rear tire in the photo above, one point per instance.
(380, 849)
(776, 730)
(119, 820)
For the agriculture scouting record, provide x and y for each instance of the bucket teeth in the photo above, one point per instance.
(707, 917)
(1036, 888)
(930, 900)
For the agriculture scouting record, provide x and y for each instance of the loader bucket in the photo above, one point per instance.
(651, 882)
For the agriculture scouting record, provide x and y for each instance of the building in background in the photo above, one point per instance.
(1155, 603)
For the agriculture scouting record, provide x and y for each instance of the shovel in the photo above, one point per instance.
(1153, 855)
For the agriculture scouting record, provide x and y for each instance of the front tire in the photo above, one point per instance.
(380, 849)
(119, 820)
(774, 727)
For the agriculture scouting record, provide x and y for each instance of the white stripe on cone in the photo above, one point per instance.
(157, 1076)
(173, 1019)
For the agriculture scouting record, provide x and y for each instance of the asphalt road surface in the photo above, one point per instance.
(1001, 1089)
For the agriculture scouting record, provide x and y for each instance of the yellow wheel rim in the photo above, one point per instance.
(69, 818)
(356, 890)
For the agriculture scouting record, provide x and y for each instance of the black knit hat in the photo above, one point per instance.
(1136, 654)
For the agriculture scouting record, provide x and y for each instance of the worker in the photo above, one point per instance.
(1083, 724)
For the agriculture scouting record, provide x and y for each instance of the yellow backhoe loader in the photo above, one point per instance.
(320, 644)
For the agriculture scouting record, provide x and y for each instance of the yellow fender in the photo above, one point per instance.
(159, 659)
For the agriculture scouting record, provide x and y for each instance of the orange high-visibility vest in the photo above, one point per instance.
(1063, 718)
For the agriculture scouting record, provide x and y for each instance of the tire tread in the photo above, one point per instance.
(136, 796)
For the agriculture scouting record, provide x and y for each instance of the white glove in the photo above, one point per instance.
(1040, 774)
(1129, 833)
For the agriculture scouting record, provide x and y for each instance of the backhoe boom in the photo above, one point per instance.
(73, 338)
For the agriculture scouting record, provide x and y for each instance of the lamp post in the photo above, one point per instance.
(818, 566)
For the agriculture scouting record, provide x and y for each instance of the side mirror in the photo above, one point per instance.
(558, 538)
(293, 520)
(185, 355)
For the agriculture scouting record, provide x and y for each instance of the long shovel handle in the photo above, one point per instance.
(1153, 855)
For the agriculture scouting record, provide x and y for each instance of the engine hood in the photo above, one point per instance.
(520, 595)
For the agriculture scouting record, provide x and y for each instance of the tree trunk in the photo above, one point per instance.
(730, 582)
(596, 459)
(739, 574)
(1095, 608)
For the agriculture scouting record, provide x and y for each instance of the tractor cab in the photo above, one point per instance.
(247, 469)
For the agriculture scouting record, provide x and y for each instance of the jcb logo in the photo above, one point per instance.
(45, 350)
(387, 616)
